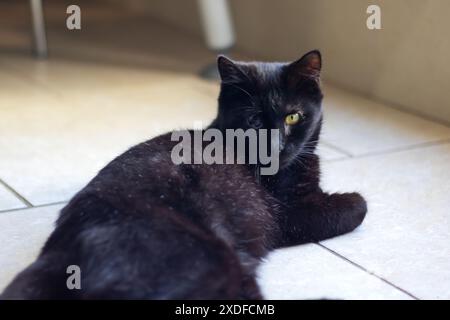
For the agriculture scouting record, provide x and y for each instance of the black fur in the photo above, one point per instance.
(145, 228)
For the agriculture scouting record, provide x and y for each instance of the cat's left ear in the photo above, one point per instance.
(229, 70)
(309, 66)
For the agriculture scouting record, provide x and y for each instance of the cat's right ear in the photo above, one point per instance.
(308, 66)
(229, 70)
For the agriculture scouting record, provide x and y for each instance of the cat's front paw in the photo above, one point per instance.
(352, 210)
(358, 208)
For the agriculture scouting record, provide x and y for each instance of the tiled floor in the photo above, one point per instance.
(61, 120)
(8, 200)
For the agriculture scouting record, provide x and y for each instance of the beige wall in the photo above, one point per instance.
(407, 63)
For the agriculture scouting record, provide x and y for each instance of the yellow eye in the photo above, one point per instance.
(292, 119)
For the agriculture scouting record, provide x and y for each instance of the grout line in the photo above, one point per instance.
(34, 207)
(367, 271)
(18, 195)
(333, 160)
(388, 104)
(396, 150)
(15, 209)
(336, 148)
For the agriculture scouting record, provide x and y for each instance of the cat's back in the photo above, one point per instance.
(225, 199)
(145, 227)
(147, 172)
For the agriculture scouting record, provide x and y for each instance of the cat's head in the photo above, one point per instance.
(284, 96)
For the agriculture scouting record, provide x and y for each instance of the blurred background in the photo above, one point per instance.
(405, 63)
(133, 71)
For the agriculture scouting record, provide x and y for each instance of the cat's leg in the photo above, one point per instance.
(250, 289)
(318, 216)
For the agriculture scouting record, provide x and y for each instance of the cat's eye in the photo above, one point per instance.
(292, 119)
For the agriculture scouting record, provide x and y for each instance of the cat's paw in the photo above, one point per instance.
(356, 208)
(351, 209)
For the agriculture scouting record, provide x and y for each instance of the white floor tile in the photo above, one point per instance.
(327, 153)
(22, 235)
(8, 200)
(361, 126)
(311, 272)
(405, 237)
(53, 145)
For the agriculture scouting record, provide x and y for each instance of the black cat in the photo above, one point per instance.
(145, 228)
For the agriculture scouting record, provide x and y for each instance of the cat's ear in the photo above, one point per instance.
(309, 66)
(229, 70)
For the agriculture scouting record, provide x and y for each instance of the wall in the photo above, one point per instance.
(405, 63)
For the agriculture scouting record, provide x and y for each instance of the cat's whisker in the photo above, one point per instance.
(245, 108)
(250, 240)
(239, 88)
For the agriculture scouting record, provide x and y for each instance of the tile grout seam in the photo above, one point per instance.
(34, 207)
(17, 194)
(336, 148)
(396, 150)
(389, 105)
(367, 271)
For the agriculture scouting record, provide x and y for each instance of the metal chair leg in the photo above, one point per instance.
(218, 30)
(39, 36)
